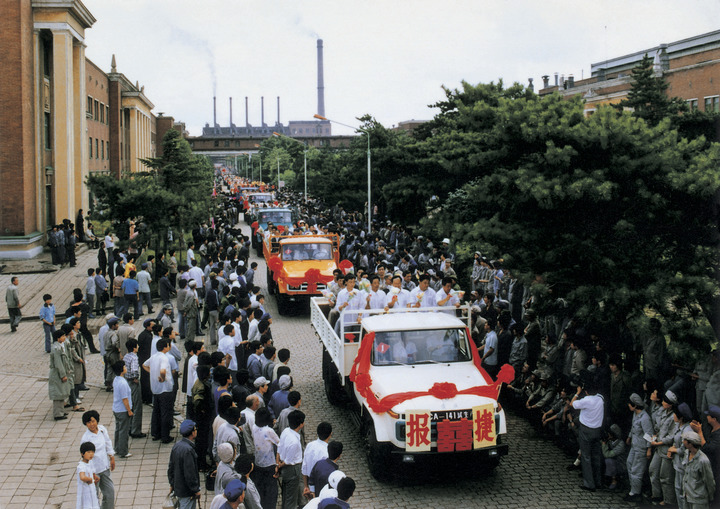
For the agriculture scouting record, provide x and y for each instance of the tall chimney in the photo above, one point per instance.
(546, 81)
(231, 112)
(214, 111)
(556, 79)
(247, 123)
(321, 82)
(262, 111)
(278, 122)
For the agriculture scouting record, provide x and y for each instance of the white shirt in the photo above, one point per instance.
(402, 298)
(197, 274)
(378, 300)
(157, 363)
(227, 346)
(191, 374)
(491, 341)
(314, 452)
(190, 256)
(355, 300)
(253, 333)
(101, 338)
(103, 448)
(592, 410)
(426, 298)
(109, 244)
(454, 300)
(264, 439)
(290, 448)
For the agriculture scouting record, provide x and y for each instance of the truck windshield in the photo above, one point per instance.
(260, 198)
(306, 252)
(275, 216)
(420, 347)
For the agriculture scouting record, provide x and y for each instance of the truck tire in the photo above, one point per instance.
(283, 303)
(270, 282)
(378, 455)
(331, 381)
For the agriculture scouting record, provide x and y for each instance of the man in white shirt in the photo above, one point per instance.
(376, 298)
(161, 384)
(104, 460)
(143, 278)
(290, 457)
(445, 296)
(227, 346)
(488, 351)
(351, 299)
(252, 404)
(423, 296)
(398, 296)
(315, 451)
(592, 413)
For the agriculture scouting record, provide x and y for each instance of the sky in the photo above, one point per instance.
(388, 58)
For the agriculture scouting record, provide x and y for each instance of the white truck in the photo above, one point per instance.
(414, 378)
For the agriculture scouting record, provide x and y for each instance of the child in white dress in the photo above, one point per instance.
(87, 479)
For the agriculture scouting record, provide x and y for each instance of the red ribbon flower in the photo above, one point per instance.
(443, 390)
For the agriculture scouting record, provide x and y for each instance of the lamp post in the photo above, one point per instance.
(304, 160)
(369, 210)
(260, 158)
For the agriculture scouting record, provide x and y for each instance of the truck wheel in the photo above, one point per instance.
(378, 455)
(270, 283)
(282, 303)
(331, 383)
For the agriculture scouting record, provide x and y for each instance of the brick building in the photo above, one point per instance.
(690, 66)
(61, 118)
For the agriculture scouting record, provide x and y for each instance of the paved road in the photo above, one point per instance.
(38, 456)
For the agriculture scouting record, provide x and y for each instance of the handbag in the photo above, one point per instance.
(210, 480)
(171, 501)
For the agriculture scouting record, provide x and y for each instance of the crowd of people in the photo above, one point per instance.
(243, 425)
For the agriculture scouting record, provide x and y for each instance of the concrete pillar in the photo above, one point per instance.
(64, 120)
(82, 199)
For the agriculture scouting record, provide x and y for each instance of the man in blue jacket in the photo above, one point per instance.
(183, 468)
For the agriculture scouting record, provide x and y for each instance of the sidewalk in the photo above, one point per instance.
(38, 456)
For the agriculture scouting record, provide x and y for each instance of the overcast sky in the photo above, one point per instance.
(387, 58)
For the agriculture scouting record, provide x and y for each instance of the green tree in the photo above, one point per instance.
(615, 216)
(648, 98)
(174, 194)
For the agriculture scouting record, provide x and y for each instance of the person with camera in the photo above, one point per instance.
(592, 413)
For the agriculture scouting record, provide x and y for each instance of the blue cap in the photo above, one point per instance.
(187, 427)
(714, 411)
(234, 489)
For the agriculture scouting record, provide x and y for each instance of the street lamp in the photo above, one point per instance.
(260, 158)
(304, 159)
(369, 212)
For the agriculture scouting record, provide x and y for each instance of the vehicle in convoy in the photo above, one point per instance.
(252, 200)
(282, 217)
(414, 379)
(299, 266)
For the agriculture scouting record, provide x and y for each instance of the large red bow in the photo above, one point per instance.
(360, 376)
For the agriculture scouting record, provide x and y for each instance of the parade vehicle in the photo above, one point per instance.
(262, 217)
(413, 378)
(299, 266)
(253, 199)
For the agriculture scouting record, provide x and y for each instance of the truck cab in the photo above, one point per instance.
(299, 266)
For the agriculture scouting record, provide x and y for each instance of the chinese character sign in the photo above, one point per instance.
(483, 426)
(417, 431)
(454, 435)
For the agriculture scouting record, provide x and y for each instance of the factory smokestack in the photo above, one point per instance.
(321, 83)
(278, 99)
(262, 111)
(247, 123)
(214, 111)
(231, 112)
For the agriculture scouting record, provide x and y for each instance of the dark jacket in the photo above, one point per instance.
(183, 469)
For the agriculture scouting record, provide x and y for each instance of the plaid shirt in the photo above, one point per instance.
(133, 366)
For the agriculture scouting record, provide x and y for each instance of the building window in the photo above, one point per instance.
(107, 115)
(102, 113)
(97, 146)
(712, 104)
(48, 133)
(90, 106)
(102, 149)
(693, 104)
(97, 110)
(90, 148)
